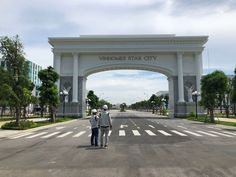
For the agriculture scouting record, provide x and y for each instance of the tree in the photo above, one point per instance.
(15, 87)
(48, 90)
(104, 102)
(213, 85)
(93, 100)
(234, 91)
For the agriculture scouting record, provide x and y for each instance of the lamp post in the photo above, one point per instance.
(163, 100)
(64, 93)
(87, 103)
(195, 94)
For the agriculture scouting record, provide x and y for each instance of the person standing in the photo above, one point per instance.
(94, 128)
(105, 125)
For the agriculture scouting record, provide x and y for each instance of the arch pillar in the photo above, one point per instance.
(82, 95)
(171, 97)
(180, 77)
(57, 67)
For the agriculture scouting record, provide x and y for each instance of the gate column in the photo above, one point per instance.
(75, 77)
(180, 77)
(82, 95)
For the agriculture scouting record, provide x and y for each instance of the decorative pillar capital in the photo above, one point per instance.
(75, 54)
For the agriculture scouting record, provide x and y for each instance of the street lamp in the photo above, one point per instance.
(64, 93)
(163, 100)
(195, 94)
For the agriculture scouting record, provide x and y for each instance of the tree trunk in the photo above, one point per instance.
(212, 115)
(1, 111)
(17, 116)
(41, 110)
(11, 111)
(52, 115)
(234, 109)
(227, 111)
(24, 112)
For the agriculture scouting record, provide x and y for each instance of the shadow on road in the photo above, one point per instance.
(88, 147)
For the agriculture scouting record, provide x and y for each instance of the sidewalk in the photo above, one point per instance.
(225, 119)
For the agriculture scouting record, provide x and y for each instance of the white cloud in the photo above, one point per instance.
(129, 89)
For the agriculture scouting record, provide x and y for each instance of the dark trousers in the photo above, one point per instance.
(94, 136)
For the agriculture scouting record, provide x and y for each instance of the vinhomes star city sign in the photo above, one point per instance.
(129, 58)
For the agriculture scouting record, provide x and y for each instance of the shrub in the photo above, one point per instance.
(23, 125)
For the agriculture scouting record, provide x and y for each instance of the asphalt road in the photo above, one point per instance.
(140, 145)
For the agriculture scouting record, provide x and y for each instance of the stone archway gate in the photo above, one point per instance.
(177, 57)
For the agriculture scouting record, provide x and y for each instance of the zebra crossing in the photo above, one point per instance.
(122, 133)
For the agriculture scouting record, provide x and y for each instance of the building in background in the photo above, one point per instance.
(33, 76)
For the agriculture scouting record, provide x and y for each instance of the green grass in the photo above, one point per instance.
(27, 124)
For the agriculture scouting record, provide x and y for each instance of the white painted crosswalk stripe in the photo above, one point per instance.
(178, 133)
(64, 134)
(21, 135)
(50, 135)
(136, 133)
(149, 132)
(121, 133)
(229, 133)
(209, 134)
(222, 134)
(90, 135)
(36, 135)
(151, 126)
(79, 134)
(164, 133)
(59, 128)
(182, 127)
(192, 133)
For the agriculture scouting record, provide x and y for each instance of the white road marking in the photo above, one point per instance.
(109, 134)
(21, 135)
(164, 133)
(178, 133)
(50, 135)
(121, 133)
(90, 135)
(89, 127)
(76, 128)
(182, 127)
(214, 128)
(222, 134)
(79, 134)
(136, 133)
(36, 135)
(151, 126)
(149, 132)
(59, 128)
(192, 133)
(123, 126)
(210, 134)
(64, 134)
(229, 133)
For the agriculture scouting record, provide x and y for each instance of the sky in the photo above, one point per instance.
(36, 20)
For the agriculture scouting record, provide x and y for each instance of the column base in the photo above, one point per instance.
(187, 108)
(71, 110)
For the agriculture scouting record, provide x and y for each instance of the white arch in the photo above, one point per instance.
(110, 67)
